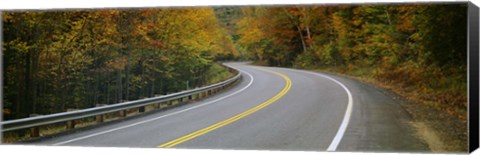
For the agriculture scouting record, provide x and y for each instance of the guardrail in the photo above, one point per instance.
(99, 112)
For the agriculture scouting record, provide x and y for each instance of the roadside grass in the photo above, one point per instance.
(217, 73)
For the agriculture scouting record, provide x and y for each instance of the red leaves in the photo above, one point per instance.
(157, 44)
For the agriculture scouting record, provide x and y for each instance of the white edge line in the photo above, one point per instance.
(346, 119)
(160, 117)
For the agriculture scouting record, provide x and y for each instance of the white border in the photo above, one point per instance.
(77, 4)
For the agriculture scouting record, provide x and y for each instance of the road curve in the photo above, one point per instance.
(270, 109)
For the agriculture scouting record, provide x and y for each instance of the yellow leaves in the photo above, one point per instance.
(339, 24)
(142, 30)
(18, 46)
(7, 17)
(249, 29)
(195, 28)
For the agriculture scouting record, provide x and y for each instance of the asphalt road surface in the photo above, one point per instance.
(270, 109)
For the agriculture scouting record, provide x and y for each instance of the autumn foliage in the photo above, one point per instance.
(419, 50)
(56, 60)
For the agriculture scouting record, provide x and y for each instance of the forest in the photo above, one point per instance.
(417, 50)
(74, 59)
(56, 60)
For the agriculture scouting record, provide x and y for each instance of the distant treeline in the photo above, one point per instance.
(56, 60)
(419, 48)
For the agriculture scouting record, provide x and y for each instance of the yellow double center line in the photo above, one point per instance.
(203, 131)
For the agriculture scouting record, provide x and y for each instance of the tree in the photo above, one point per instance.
(56, 60)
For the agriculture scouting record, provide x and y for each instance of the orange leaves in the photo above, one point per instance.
(295, 11)
(149, 12)
(407, 15)
(356, 22)
(157, 44)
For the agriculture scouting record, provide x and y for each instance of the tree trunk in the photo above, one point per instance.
(34, 83)
(108, 88)
(119, 86)
(96, 90)
(388, 16)
(299, 29)
(27, 104)
(304, 46)
(20, 91)
(127, 81)
(307, 23)
(152, 89)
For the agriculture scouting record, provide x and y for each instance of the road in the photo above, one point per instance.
(270, 109)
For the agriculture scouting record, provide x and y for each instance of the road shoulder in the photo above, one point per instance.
(440, 131)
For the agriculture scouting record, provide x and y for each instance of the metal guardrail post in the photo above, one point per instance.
(142, 108)
(99, 118)
(34, 131)
(123, 113)
(71, 124)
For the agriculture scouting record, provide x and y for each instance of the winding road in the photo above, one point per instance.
(270, 109)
